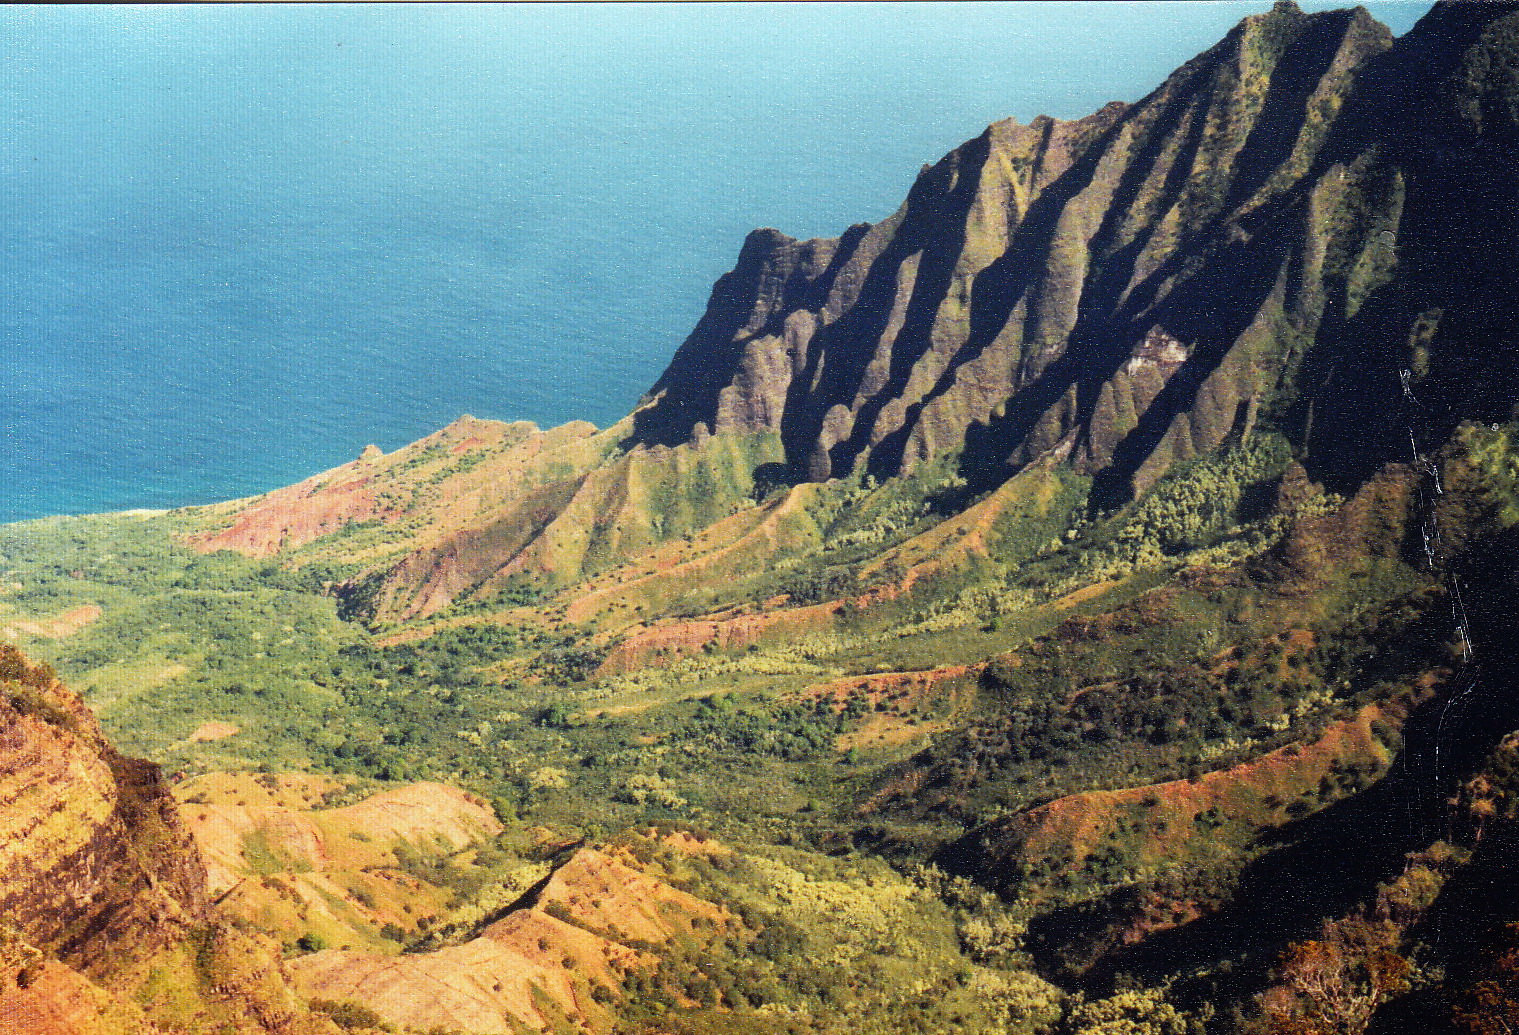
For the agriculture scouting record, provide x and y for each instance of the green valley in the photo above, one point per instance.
(1080, 604)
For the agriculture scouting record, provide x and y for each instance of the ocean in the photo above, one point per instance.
(242, 242)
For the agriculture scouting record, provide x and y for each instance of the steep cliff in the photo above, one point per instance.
(105, 925)
(94, 862)
(1299, 227)
(1305, 199)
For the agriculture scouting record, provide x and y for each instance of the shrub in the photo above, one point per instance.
(349, 1014)
(311, 942)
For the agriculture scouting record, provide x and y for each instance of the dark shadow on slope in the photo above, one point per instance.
(1023, 270)
(941, 249)
(1214, 291)
(1456, 247)
(839, 355)
(1116, 264)
(1474, 905)
(1328, 864)
(1209, 312)
(836, 353)
(709, 359)
(1483, 895)
(1458, 256)
(1320, 867)
(1283, 116)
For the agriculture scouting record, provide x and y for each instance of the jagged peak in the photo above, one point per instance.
(1001, 313)
(763, 240)
(969, 276)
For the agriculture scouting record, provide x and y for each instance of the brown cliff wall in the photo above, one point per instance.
(94, 862)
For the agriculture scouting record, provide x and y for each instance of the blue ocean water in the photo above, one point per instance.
(238, 243)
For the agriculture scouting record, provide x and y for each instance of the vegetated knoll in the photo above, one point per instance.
(1196, 821)
(486, 512)
(106, 925)
(616, 511)
(369, 874)
(475, 485)
(893, 702)
(894, 529)
(992, 532)
(557, 957)
(429, 487)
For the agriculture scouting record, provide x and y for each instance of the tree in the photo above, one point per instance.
(1490, 1004)
(1329, 988)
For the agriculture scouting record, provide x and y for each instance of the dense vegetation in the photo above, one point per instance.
(1074, 702)
(1192, 647)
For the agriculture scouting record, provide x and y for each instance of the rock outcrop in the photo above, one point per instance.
(94, 862)
(101, 888)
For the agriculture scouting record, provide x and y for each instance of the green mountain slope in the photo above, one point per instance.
(1117, 541)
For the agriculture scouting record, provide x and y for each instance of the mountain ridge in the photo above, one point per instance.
(1117, 294)
(1008, 221)
(1119, 539)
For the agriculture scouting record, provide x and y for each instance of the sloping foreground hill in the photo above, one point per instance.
(109, 924)
(561, 954)
(107, 927)
(280, 854)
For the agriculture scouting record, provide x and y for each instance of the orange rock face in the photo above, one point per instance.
(684, 639)
(465, 476)
(89, 839)
(299, 513)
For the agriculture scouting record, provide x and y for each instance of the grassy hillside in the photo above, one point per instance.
(1115, 721)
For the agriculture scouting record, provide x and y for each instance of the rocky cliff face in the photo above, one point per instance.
(1422, 169)
(1132, 288)
(94, 862)
(1310, 227)
(105, 926)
